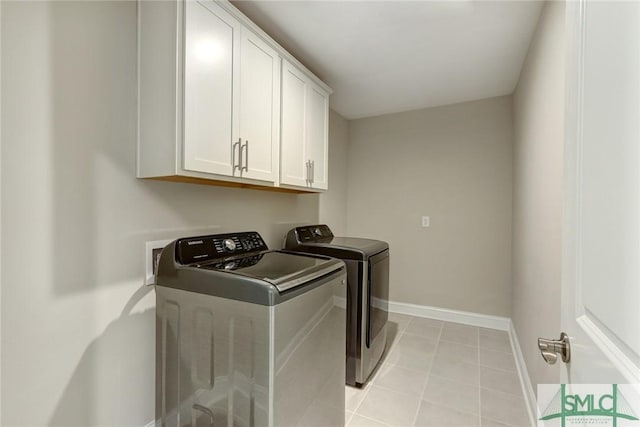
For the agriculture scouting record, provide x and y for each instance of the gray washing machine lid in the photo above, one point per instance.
(282, 270)
(239, 266)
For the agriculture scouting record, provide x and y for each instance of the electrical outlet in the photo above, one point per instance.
(425, 221)
(152, 256)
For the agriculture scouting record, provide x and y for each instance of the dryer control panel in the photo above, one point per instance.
(313, 233)
(218, 246)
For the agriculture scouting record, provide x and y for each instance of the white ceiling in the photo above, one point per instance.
(388, 56)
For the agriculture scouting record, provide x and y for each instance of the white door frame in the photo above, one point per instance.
(0, 214)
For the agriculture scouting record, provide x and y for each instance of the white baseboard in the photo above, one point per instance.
(527, 388)
(448, 315)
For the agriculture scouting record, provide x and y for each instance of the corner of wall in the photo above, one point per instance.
(332, 206)
(538, 108)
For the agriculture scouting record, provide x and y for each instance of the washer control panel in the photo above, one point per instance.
(218, 246)
(229, 245)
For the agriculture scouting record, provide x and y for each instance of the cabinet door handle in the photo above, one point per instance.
(308, 165)
(233, 156)
(245, 167)
(313, 171)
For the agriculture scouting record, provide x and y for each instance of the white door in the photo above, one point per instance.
(210, 88)
(259, 107)
(601, 266)
(293, 158)
(316, 138)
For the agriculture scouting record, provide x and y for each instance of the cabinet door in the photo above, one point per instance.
(317, 138)
(209, 88)
(259, 107)
(293, 160)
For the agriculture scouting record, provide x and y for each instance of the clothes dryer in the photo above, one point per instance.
(367, 292)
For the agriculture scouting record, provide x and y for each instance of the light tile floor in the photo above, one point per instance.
(437, 374)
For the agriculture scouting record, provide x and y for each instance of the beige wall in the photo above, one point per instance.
(77, 323)
(537, 193)
(333, 202)
(453, 164)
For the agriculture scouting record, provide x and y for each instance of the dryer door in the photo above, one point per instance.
(378, 295)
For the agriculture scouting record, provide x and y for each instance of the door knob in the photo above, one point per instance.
(550, 349)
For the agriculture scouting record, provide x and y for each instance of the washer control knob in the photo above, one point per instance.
(229, 245)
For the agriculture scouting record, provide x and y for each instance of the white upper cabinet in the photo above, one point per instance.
(231, 96)
(317, 137)
(294, 168)
(259, 107)
(210, 90)
(304, 144)
(210, 101)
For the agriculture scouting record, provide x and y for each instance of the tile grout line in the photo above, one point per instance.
(459, 343)
(368, 386)
(374, 384)
(500, 370)
(372, 419)
(424, 387)
(418, 371)
(497, 351)
(508, 424)
(392, 390)
(448, 406)
(496, 346)
(364, 395)
(346, 422)
(451, 407)
(503, 392)
(430, 375)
